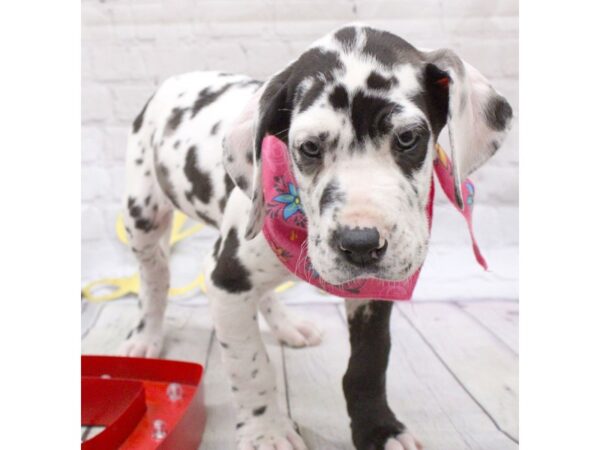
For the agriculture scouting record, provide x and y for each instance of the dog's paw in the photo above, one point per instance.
(144, 344)
(297, 332)
(269, 433)
(404, 441)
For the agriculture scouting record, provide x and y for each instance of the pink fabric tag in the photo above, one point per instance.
(285, 226)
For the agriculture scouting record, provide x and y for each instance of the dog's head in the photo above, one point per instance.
(360, 112)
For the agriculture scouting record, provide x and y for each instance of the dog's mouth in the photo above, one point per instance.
(351, 274)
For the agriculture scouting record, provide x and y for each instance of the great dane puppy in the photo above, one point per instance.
(360, 112)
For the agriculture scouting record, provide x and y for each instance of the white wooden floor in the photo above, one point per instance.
(452, 378)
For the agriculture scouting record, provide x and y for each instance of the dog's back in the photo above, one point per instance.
(174, 152)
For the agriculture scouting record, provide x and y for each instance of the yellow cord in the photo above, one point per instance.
(121, 287)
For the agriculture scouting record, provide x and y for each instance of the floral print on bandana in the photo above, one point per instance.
(287, 202)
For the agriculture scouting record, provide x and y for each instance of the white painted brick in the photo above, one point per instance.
(111, 62)
(92, 223)
(96, 103)
(116, 143)
(117, 182)
(466, 8)
(92, 144)
(111, 211)
(95, 184)
(131, 100)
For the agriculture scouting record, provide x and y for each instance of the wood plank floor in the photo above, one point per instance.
(452, 378)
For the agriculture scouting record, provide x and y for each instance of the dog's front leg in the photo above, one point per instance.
(374, 425)
(241, 273)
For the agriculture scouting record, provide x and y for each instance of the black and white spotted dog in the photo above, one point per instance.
(360, 112)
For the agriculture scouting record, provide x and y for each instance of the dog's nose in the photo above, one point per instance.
(361, 246)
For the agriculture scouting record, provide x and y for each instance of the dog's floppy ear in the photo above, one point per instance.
(478, 118)
(267, 112)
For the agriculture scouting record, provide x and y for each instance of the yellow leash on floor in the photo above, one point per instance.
(120, 287)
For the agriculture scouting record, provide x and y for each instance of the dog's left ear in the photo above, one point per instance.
(478, 118)
(267, 112)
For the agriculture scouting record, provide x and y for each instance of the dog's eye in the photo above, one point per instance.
(407, 139)
(310, 149)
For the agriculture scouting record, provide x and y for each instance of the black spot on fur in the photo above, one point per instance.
(139, 161)
(174, 120)
(311, 95)
(277, 101)
(241, 182)
(224, 344)
(254, 373)
(139, 120)
(215, 128)
(144, 225)
(239, 425)
(339, 97)
(206, 218)
(495, 146)
(162, 176)
(134, 210)
(317, 61)
(347, 37)
(217, 247)
(229, 274)
(434, 100)
(176, 144)
(259, 411)
(411, 160)
(202, 187)
(369, 116)
(498, 113)
(389, 49)
(378, 81)
(206, 97)
(229, 185)
(331, 194)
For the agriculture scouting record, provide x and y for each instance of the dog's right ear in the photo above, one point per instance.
(268, 112)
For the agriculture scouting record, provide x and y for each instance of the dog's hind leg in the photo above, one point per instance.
(288, 327)
(147, 216)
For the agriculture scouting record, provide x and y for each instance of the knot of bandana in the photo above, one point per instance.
(285, 225)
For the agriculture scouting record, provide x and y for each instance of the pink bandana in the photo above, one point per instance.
(286, 232)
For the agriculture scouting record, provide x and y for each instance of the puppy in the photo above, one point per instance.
(360, 112)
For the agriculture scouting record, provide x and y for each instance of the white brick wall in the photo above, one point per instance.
(129, 46)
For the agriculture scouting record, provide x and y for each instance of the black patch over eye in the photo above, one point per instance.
(409, 147)
(311, 149)
(406, 140)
